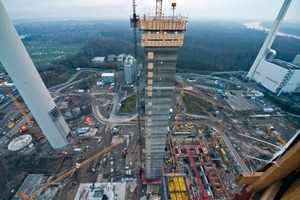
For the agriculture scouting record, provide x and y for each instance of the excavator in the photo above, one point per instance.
(67, 173)
(271, 131)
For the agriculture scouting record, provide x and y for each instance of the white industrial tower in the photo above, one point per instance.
(270, 39)
(21, 69)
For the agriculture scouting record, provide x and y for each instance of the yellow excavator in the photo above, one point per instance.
(271, 131)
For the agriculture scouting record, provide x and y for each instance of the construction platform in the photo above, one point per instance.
(102, 191)
(164, 31)
(174, 187)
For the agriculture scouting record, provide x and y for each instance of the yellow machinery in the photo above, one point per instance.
(267, 134)
(216, 136)
(169, 161)
(67, 173)
(207, 100)
(10, 94)
(177, 188)
(183, 91)
(23, 128)
(269, 149)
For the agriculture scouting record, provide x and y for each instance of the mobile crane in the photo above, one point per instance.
(68, 173)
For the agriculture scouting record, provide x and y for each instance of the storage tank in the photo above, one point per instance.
(19, 142)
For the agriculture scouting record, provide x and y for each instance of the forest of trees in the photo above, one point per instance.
(208, 45)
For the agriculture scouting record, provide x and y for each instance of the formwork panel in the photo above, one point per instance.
(161, 38)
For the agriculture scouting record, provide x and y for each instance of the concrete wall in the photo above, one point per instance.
(269, 75)
(294, 83)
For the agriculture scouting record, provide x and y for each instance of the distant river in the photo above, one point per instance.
(257, 26)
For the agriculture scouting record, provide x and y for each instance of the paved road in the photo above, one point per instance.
(12, 131)
(72, 78)
(111, 122)
(235, 153)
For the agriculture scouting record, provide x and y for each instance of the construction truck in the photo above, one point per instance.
(124, 152)
(23, 129)
(169, 161)
(11, 125)
(88, 121)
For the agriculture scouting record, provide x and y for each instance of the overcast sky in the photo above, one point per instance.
(122, 9)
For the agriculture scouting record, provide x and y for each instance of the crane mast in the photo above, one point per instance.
(133, 22)
(158, 8)
(15, 101)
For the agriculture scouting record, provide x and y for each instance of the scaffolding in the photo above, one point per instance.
(160, 36)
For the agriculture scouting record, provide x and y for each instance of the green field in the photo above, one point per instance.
(128, 105)
(43, 54)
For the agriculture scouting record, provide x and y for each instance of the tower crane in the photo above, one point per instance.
(15, 101)
(68, 173)
(23, 128)
(158, 8)
(220, 123)
(179, 107)
(133, 22)
(184, 91)
(207, 100)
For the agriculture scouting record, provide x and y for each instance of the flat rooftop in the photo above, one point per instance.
(108, 74)
(95, 191)
(287, 65)
(34, 182)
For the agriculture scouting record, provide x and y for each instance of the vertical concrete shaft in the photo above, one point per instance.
(21, 69)
(270, 38)
(161, 38)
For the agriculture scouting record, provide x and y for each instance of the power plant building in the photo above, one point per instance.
(278, 76)
(129, 69)
(161, 36)
(296, 60)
